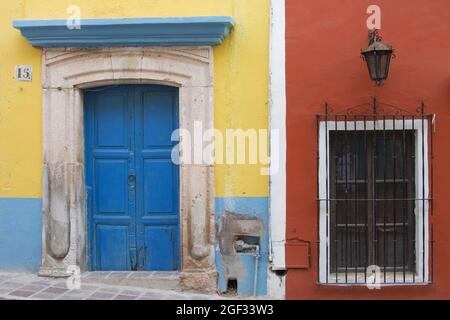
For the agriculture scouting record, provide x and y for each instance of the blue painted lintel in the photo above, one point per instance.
(180, 31)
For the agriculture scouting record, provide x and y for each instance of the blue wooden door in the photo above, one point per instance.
(132, 183)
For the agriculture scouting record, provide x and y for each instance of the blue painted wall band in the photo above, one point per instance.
(20, 234)
(21, 229)
(259, 208)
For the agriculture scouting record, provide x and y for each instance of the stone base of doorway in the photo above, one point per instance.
(143, 279)
(196, 282)
(53, 272)
(199, 281)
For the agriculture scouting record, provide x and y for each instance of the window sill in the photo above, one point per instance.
(391, 279)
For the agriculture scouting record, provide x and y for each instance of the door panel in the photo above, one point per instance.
(158, 190)
(111, 186)
(109, 161)
(113, 247)
(132, 183)
(158, 119)
(163, 239)
(111, 121)
(158, 186)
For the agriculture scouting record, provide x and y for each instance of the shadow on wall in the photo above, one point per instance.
(20, 234)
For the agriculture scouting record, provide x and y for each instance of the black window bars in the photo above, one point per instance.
(374, 192)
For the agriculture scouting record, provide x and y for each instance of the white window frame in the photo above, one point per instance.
(422, 242)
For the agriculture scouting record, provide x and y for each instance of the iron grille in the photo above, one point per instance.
(375, 195)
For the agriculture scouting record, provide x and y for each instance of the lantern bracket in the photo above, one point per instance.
(377, 56)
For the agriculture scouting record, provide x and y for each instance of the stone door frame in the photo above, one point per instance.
(66, 73)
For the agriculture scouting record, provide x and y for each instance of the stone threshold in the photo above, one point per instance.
(161, 280)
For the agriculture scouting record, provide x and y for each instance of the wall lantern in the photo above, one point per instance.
(378, 57)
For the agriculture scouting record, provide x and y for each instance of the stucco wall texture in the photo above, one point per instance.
(323, 63)
(241, 73)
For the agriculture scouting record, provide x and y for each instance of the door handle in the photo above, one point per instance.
(131, 182)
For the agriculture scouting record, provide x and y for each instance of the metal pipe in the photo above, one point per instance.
(255, 274)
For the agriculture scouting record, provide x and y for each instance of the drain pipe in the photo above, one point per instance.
(242, 247)
(255, 282)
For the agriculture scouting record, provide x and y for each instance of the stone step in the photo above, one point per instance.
(144, 279)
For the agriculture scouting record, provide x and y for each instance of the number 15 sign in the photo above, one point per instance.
(23, 73)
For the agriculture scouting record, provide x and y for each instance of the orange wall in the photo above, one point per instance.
(323, 39)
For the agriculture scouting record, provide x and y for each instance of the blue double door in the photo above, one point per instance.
(132, 182)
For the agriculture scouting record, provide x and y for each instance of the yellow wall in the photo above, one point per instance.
(241, 82)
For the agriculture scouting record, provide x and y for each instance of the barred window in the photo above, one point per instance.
(374, 198)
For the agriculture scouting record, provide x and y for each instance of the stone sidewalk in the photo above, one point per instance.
(25, 286)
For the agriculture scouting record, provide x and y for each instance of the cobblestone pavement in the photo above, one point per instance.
(24, 286)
